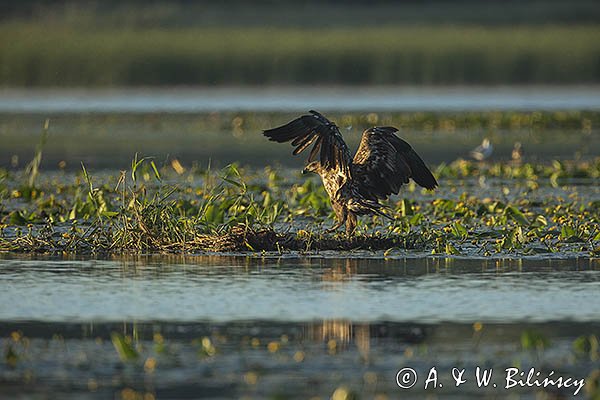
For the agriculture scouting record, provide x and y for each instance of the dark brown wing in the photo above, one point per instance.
(316, 130)
(384, 162)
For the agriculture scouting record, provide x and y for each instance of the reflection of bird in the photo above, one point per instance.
(381, 165)
(517, 152)
(483, 151)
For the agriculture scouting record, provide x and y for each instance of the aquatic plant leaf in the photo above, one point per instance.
(517, 215)
(516, 237)
(451, 250)
(540, 220)
(566, 232)
(16, 218)
(213, 214)
(459, 231)
(533, 340)
(588, 345)
(124, 348)
(11, 357)
(417, 219)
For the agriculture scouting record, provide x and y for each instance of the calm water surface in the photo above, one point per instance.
(299, 289)
(362, 99)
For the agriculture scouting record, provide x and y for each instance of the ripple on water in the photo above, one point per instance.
(299, 289)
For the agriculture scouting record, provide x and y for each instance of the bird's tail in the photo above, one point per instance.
(365, 206)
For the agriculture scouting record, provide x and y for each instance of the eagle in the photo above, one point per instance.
(381, 165)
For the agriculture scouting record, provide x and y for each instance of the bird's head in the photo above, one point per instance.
(314, 166)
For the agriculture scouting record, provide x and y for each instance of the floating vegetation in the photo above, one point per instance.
(272, 352)
(124, 347)
(480, 210)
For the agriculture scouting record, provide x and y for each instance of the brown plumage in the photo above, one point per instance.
(381, 165)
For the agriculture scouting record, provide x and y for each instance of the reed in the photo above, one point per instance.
(64, 56)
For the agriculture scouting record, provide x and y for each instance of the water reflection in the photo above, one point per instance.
(265, 358)
(215, 288)
(291, 327)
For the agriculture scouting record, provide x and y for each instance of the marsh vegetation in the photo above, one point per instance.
(480, 210)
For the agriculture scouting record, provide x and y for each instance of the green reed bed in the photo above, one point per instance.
(61, 55)
(480, 210)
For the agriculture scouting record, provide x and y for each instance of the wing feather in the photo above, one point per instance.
(304, 143)
(302, 137)
(384, 162)
(316, 149)
(332, 151)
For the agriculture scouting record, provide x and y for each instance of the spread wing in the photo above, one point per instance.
(384, 162)
(329, 147)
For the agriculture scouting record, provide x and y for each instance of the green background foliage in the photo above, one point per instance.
(184, 43)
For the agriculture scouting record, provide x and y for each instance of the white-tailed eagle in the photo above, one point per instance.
(381, 165)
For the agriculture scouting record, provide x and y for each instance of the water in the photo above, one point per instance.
(105, 128)
(297, 289)
(539, 98)
(295, 326)
(292, 326)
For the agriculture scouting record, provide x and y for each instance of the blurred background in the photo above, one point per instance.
(111, 71)
(235, 42)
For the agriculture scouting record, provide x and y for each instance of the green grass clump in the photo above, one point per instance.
(65, 56)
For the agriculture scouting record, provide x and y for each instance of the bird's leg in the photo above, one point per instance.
(350, 223)
(340, 215)
(335, 227)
